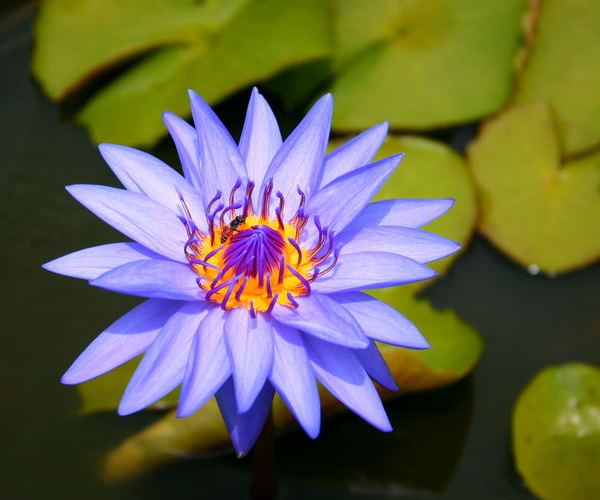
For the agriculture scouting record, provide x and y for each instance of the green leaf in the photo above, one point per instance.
(75, 39)
(456, 349)
(562, 68)
(432, 170)
(243, 48)
(423, 63)
(556, 433)
(542, 214)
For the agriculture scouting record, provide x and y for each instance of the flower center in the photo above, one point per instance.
(253, 260)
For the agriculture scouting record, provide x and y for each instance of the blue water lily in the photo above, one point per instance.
(253, 265)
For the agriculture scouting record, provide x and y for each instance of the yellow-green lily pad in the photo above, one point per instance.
(217, 50)
(543, 214)
(562, 68)
(456, 349)
(432, 170)
(75, 39)
(423, 63)
(556, 433)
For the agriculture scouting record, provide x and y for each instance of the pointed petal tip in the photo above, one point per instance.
(313, 432)
(123, 410)
(103, 146)
(168, 117)
(49, 266)
(183, 411)
(391, 385)
(385, 427)
(325, 101)
(244, 401)
(69, 379)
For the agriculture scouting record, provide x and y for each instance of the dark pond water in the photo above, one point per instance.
(450, 444)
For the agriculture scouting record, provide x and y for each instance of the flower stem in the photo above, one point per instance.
(264, 482)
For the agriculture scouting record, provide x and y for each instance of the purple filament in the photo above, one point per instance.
(248, 199)
(272, 304)
(296, 246)
(264, 213)
(302, 279)
(292, 300)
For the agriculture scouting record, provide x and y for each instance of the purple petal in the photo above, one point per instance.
(152, 278)
(338, 203)
(417, 245)
(220, 158)
(244, 429)
(341, 373)
(375, 365)
(380, 321)
(208, 365)
(294, 379)
(354, 154)
(91, 263)
(163, 366)
(368, 270)
(322, 317)
(186, 141)
(260, 138)
(299, 161)
(412, 213)
(250, 345)
(143, 173)
(125, 339)
(136, 216)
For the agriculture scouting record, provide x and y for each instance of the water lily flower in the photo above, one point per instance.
(253, 265)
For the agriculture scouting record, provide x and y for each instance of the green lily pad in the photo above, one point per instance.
(76, 39)
(432, 170)
(456, 349)
(216, 50)
(543, 214)
(556, 433)
(562, 68)
(423, 63)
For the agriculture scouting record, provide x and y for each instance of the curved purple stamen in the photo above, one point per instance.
(216, 198)
(296, 246)
(264, 213)
(302, 279)
(231, 209)
(202, 263)
(248, 199)
(236, 186)
(292, 300)
(272, 304)
(211, 254)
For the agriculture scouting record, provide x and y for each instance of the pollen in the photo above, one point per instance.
(253, 259)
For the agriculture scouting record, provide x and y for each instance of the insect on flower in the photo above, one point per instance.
(252, 265)
(233, 226)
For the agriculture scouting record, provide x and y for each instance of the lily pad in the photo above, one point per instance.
(432, 170)
(543, 214)
(456, 349)
(75, 39)
(562, 68)
(423, 63)
(556, 433)
(217, 50)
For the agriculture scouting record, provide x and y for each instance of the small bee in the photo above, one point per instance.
(233, 226)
